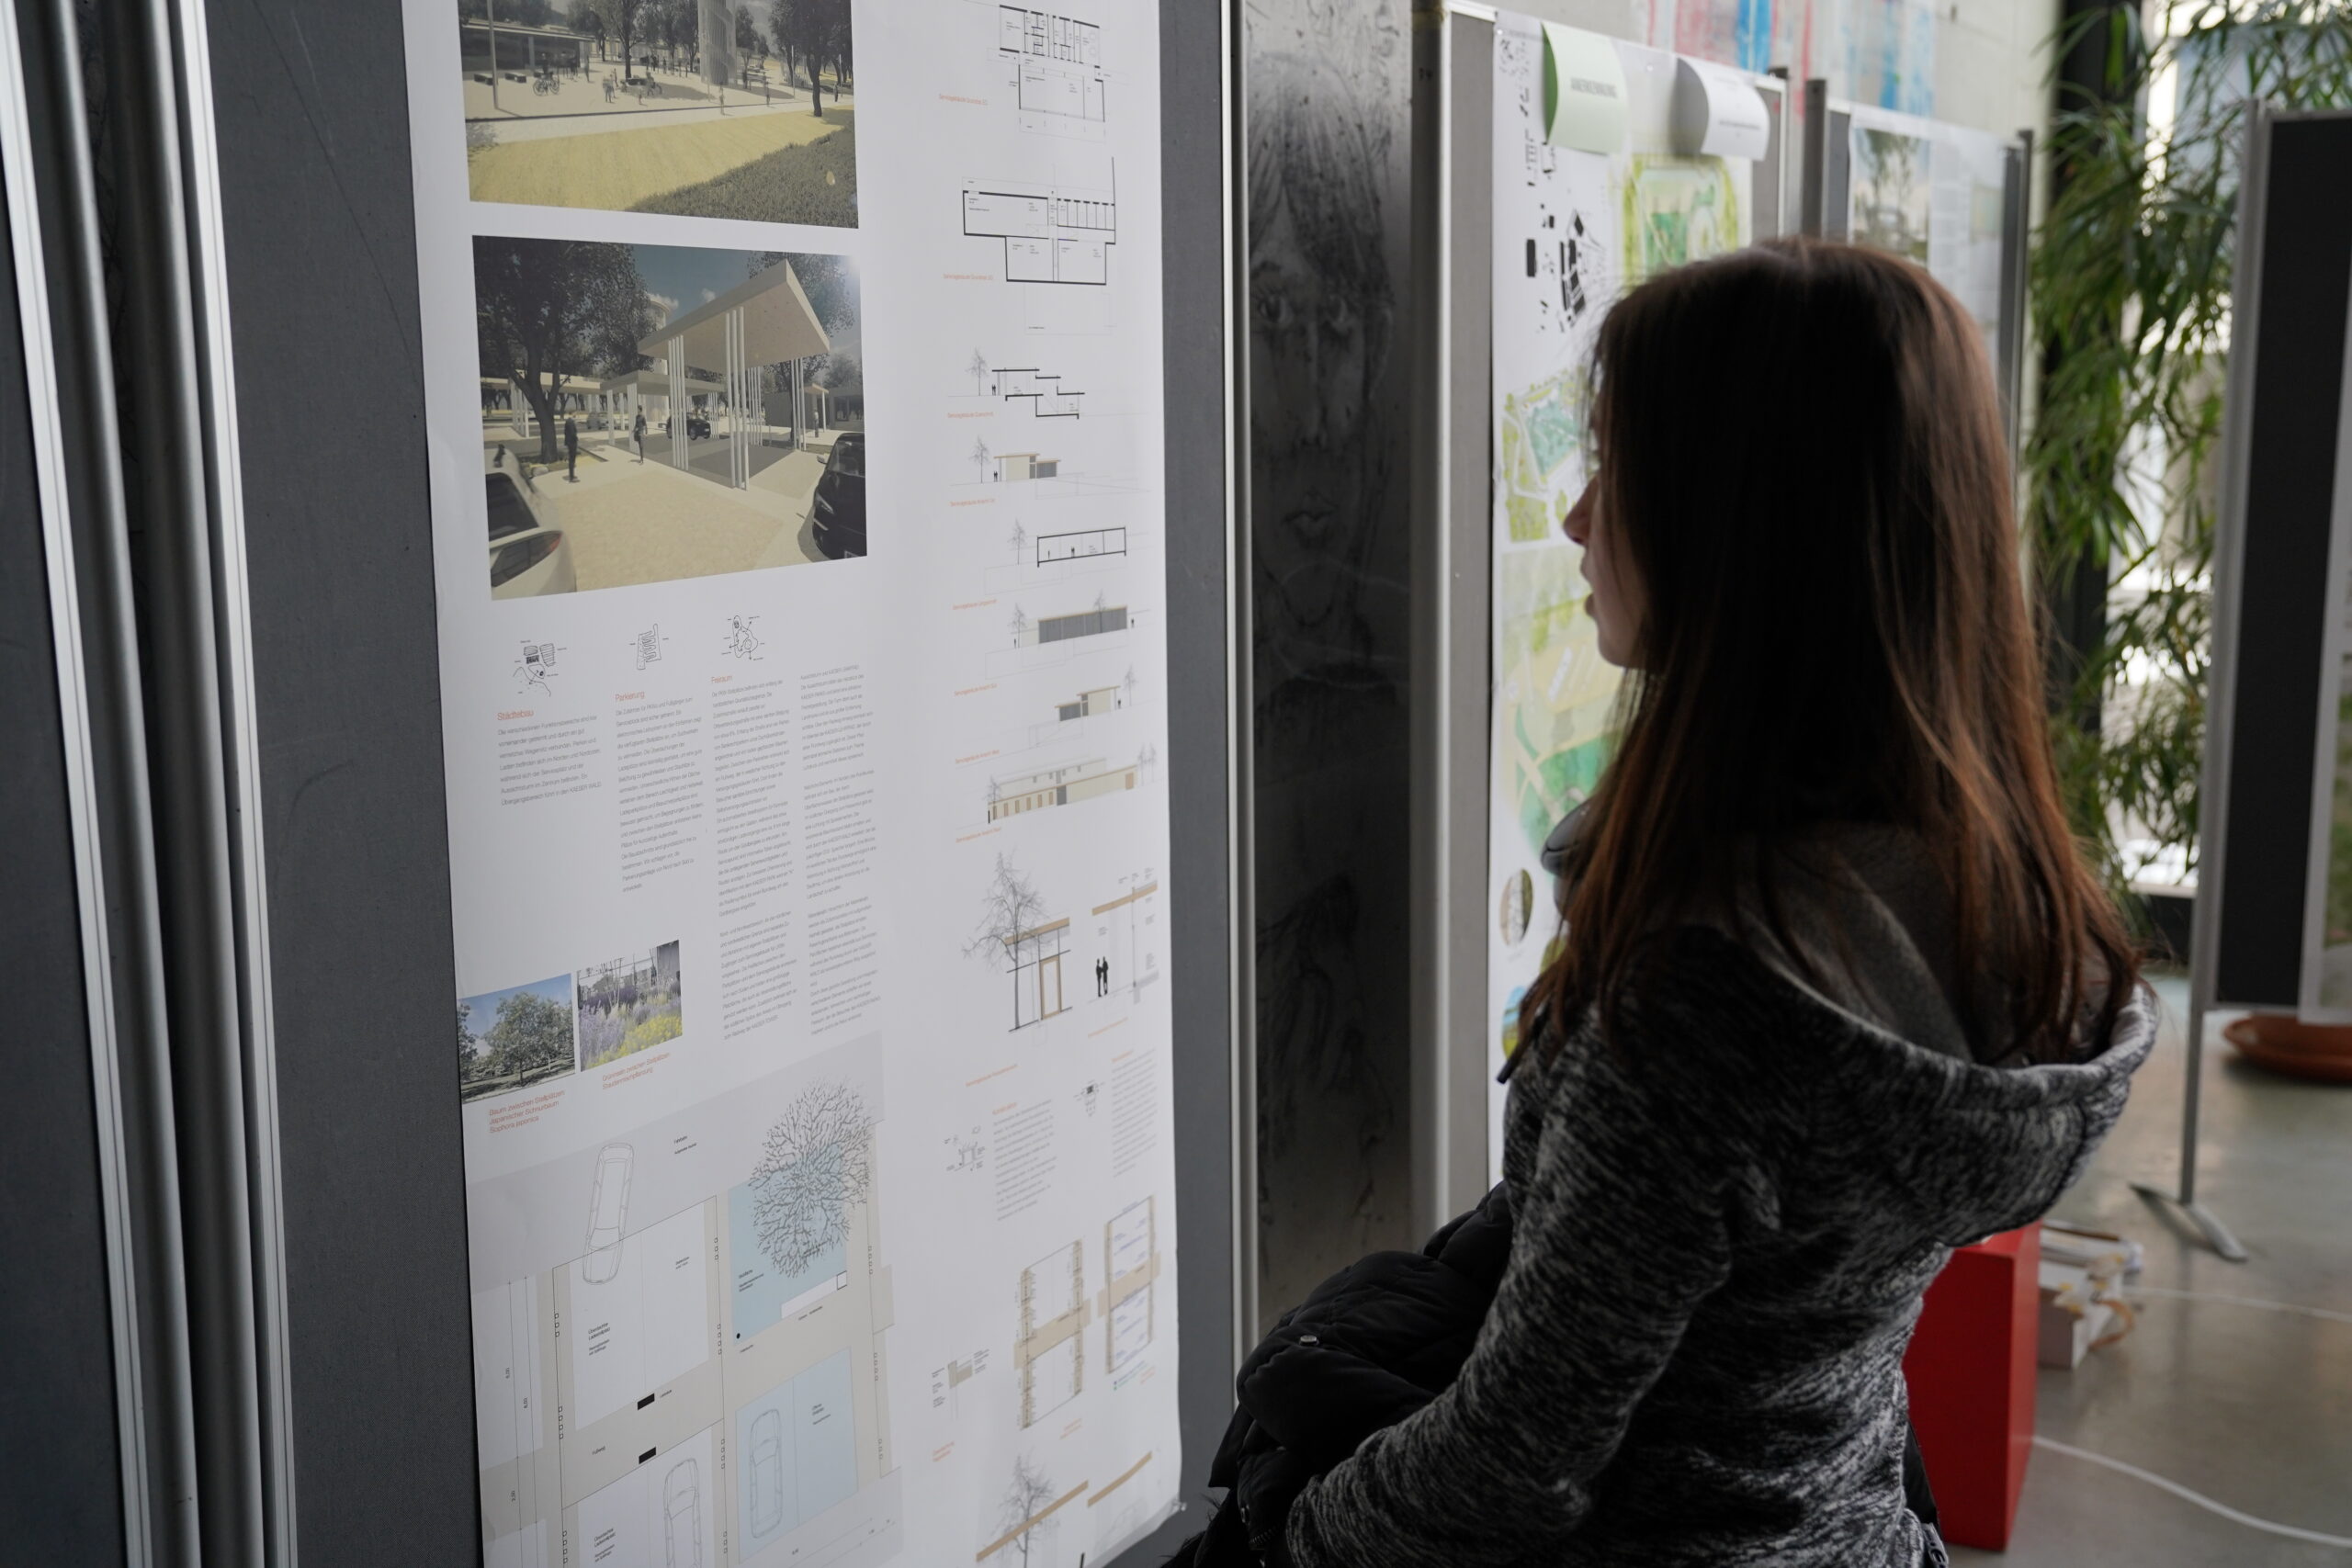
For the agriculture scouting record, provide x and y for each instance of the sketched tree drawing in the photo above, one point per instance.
(1020, 537)
(1029, 1495)
(1011, 911)
(812, 1170)
(981, 455)
(1020, 625)
(980, 368)
(1128, 686)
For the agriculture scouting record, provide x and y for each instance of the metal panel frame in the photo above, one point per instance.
(64, 315)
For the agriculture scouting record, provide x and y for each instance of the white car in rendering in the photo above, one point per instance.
(526, 556)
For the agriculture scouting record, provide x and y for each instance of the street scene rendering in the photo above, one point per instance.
(650, 412)
(709, 108)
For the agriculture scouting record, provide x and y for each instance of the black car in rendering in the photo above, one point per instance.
(839, 524)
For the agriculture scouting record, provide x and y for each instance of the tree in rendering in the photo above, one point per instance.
(532, 1034)
(622, 16)
(466, 1045)
(547, 310)
(816, 31)
(1029, 1495)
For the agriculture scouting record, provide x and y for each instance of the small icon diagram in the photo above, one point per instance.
(534, 667)
(740, 640)
(647, 645)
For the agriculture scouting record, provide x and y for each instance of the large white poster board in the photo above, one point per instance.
(1573, 229)
(799, 369)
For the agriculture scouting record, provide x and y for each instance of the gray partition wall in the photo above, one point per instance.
(254, 170)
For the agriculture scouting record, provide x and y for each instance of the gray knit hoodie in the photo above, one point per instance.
(1723, 1222)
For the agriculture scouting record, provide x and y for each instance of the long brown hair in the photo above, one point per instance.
(1801, 453)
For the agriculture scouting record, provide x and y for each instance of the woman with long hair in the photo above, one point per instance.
(1836, 992)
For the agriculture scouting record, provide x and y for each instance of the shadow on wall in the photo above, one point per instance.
(1328, 106)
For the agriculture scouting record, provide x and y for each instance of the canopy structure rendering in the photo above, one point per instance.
(765, 321)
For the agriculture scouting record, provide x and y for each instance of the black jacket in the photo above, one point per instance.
(1369, 1346)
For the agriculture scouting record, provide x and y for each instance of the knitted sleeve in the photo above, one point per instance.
(1622, 1232)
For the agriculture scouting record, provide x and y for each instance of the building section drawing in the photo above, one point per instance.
(1049, 1347)
(1082, 544)
(1055, 66)
(1041, 392)
(1128, 928)
(1051, 231)
(1017, 936)
(1131, 1270)
(607, 1210)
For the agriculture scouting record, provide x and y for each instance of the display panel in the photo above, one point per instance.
(1936, 194)
(813, 993)
(1573, 230)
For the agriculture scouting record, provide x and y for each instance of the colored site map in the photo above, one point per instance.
(1553, 690)
(1540, 429)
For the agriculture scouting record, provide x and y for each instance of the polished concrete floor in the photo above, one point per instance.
(2246, 1401)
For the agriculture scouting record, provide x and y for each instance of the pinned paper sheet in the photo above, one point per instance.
(1718, 113)
(1584, 90)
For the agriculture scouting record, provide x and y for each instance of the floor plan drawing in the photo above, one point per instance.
(1051, 233)
(1056, 65)
(1049, 1348)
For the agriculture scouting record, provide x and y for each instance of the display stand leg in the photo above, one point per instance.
(2217, 1236)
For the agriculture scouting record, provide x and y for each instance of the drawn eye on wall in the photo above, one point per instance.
(608, 1208)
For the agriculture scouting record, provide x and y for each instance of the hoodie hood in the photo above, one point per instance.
(1967, 1139)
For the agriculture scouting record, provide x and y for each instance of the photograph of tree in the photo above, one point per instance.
(660, 411)
(514, 1038)
(627, 1005)
(706, 109)
(1891, 192)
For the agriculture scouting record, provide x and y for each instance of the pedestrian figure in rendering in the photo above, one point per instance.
(1101, 977)
(1833, 992)
(639, 431)
(572, 448)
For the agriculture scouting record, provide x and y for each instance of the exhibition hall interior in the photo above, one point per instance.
(1564, 783)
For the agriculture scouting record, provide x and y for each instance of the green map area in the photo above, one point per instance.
(1677, 209)
(1553, 690)
(1541, 429)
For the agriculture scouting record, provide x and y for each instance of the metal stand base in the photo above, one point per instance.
(2217, 1236)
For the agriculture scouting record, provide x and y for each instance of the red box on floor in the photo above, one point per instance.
(1970, 1367)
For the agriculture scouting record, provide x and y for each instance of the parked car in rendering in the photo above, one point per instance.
(526, 556)
(697, 427)
(839, 524)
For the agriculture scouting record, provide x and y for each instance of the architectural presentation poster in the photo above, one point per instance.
(1573, 230)
(793, 392)
(1933, 193)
